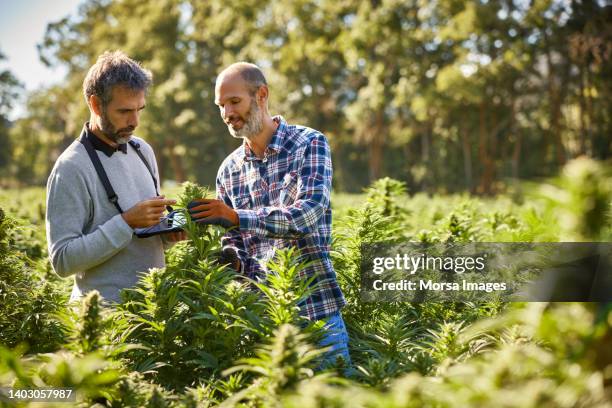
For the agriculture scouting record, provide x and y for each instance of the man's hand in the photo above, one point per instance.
(208, 211)
(176, 236)
(147, 213)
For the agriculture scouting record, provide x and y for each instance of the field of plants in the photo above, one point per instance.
(195, 334)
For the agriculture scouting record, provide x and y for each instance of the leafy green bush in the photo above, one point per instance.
(198, 334)
(580, 199)
(279, 367)
(194, 318)
(28, 301)
(532, 370)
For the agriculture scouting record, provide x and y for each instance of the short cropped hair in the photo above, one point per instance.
(111, 69)
(250, 73)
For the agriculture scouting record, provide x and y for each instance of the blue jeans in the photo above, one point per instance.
(337, 339)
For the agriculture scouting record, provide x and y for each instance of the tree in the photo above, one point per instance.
(446, 95)
(10, 89)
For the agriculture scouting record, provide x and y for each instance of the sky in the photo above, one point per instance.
(22, 26)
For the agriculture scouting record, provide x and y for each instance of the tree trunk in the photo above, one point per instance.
(376, 148)
(486, 178)
(425, 153)
(582, 114)
(516, 151)
(590, 118)
(467, 158)
(555, 99)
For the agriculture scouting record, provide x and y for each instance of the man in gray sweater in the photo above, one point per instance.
(89, 235)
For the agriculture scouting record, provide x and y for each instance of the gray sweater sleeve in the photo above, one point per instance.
(68, 213)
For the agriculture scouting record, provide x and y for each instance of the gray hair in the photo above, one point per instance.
(111, 69)
(249, 72)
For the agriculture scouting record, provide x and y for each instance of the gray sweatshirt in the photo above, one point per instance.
(86, 235)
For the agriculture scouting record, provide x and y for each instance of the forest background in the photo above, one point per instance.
(445, 95)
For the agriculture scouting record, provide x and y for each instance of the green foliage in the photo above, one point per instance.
(203, 240)
(191, 191)
(358, 228)
(198, 334)
(460, 95)
(528, 372)
(581, 200)
(280, 366)
(90, 324)
(198, 316)
(9, 92)
(88, 328)
(283, 289)
(91, 376)
(385, 194)
(28, 300)
(185, 320)
(405, 337)
(133, 391)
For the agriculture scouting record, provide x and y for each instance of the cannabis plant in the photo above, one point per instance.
(387, 196)
(279, 366)
(90, 376)
(581, 200)
(28, 301)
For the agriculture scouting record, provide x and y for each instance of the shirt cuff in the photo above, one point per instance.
(248, 221)
(119, 230)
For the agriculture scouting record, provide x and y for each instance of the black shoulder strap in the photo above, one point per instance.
(136, 146)
(112, 196)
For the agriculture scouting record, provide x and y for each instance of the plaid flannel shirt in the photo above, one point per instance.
(283, 200)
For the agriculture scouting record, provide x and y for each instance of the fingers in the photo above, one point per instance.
(202, 205)
(158, 202)
(202, 210)
(148, 212)
(152, 219)
(201, 201)
(155, 211)
(202, 214)
(199, 208)
(152, 215)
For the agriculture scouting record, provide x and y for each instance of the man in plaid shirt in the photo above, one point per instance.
(275, 188)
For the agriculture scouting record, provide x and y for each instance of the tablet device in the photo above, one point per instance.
(173, 222)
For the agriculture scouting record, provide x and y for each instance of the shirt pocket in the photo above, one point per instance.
(289, 188)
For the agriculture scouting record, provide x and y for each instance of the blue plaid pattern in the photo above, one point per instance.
(283, 200)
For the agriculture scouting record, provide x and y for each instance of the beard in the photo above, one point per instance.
(253, 124)
(119, 136)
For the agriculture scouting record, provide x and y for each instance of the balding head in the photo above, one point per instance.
(241, 93)
(251, 74)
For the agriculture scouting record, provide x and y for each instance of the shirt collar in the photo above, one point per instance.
(276, 143)
(101, 145)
